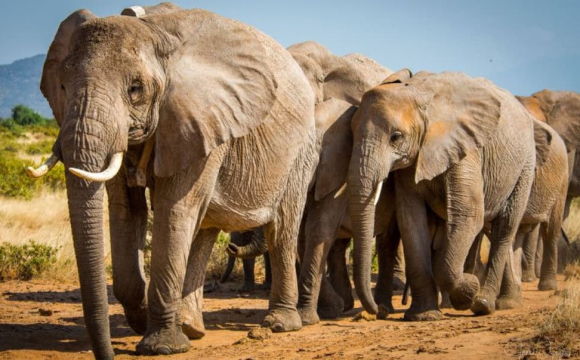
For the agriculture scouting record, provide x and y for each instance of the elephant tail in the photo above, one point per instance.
(565, 236)
(406, 293)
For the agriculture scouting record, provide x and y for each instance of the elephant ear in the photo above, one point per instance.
(221, 85)
(399, 77)
(564, 118)
(333, 118)
(543, 140)
(50, 85)
(351, 76)
(461, 114)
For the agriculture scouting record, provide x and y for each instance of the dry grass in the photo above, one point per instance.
(558, 331)
(45, 220)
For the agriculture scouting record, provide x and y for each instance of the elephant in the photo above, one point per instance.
(543, 215)
(560, 110)
(204, 92)
(248, 245)
(446, 138)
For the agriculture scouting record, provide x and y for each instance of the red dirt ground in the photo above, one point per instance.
(43, 320)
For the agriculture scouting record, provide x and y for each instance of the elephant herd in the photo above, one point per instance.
(230, 131)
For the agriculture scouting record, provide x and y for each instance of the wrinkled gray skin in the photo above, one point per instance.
(560, 110)
(447, 138)
(543, 215)
(248, 245)
(337, 82)
(115, 82)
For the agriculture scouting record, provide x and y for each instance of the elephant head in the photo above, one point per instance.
(333, 77)
(561, 110)
(192, 78)
(429, 121)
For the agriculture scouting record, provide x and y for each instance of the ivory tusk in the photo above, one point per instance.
(378, 193)
(135, 11)
(340, 191)
(42, 169)
(103, 176)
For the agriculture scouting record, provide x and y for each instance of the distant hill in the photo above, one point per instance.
(20, 84)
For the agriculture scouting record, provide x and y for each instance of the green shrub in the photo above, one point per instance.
(13, 179)
(25, 116)
(23, 262)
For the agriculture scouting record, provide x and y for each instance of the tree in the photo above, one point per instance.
(24, 116)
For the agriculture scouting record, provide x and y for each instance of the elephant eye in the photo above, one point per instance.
(396, 137)
(135, 92)
(62, 87)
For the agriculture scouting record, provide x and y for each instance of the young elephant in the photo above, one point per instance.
(560, 110)
(248, 245)
(463, 151)
(544, 213)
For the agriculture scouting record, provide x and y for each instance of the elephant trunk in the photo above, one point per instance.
(256, 247)
(364, 184)
(86, 142)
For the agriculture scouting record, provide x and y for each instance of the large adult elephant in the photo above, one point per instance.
(560, 110)
(448, 138)
(543, 215)
(232, 118)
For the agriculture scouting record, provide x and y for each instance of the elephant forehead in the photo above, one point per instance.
(533, 105)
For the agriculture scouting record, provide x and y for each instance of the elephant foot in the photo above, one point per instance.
(283, 320)
(445, 302)
(483, 305)
(548, 284)
(267, 286)
(398, 283)
(462, 296)
(192, 327)
(506, 303)
(247, 287)
(308, 315)
(528, 276)
(429, 315)
(385, 301)
(331, 311)
(164, 341)
(137, 318)
(348, 302)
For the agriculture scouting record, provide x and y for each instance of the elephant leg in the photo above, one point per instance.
(181, 202)
(268, 270)
(249, 280)
(229, 269)
(550, 236)
(465, 213)
(399, 278)
(338, 273)
(128, 229)
(529, 247)
(387, 245)
(321, 227)
(192, 303)
(510, 294)
(413, 225)
(471, 262)
(503, 233)
(539, 255)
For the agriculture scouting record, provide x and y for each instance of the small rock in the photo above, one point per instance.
(260, 333)
(241, 341)
(364, 316)
(45, 312)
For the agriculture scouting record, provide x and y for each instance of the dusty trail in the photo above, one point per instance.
(43, 320)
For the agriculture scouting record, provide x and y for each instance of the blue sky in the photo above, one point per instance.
(522, 45)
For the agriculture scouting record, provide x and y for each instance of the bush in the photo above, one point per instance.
(25, 116)
(23, 262)
(43, 147)
(13, 179)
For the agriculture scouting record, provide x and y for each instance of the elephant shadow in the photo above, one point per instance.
(234, 319)
(68, 336)
(66, 297)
